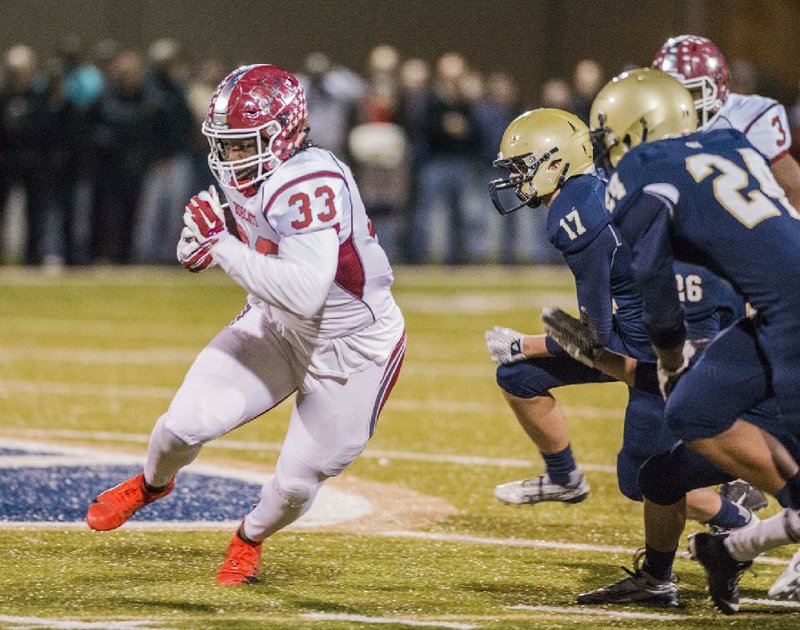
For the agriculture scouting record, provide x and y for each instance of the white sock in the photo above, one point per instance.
(747, 543)
(166, 455)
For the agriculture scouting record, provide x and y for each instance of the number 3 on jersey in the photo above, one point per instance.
(303, 203)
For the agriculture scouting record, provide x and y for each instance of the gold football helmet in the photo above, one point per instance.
(639, 106)
(541, 149)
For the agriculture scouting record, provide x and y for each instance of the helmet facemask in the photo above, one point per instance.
(242, 173)
(523, 169)
(706, 99)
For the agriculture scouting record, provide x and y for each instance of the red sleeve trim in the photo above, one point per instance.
(300, 180)
(780, 155)
(753, 122)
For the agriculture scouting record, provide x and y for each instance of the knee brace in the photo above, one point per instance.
(660, 483)
(523, 380)
(667, 477)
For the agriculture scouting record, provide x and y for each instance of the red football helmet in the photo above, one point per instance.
(263, 103)
(701, 67)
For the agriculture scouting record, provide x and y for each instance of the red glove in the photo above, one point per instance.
(192, 256)
(205, 218)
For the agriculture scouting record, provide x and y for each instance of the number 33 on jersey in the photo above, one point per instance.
(314, 191)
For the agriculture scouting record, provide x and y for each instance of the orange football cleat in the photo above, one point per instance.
(116, 505)
(241, 563)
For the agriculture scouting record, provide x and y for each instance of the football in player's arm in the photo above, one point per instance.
(320, 318)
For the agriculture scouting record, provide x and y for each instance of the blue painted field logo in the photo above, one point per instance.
(51, 485)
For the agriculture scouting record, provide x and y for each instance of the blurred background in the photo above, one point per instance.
(101, 104)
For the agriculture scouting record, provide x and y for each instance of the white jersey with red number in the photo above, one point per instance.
(310, 194)
(763, 120)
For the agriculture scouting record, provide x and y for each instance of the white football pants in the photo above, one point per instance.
(248, 369)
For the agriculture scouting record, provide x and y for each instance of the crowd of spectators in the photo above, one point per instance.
(103, 148)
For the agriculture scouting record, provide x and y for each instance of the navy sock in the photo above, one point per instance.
(730, 516)
(560, 465)
(658, 564)
(790, 493)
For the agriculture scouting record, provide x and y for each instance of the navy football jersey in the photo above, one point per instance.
(709, 303)
(580, 228)
(709, 199)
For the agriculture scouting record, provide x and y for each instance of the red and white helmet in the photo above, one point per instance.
(701, 67)
(261, 102)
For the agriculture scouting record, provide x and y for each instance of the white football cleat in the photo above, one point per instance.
(787, 586)
(539, 489)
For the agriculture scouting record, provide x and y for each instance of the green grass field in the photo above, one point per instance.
(90, 359)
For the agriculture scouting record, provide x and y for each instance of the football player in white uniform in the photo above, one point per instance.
(700, 65)
(320, 318)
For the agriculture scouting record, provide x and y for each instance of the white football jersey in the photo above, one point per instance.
(763, 120)
(314, 191)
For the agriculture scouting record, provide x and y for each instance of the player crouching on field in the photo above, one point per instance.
(320, 318)
(549, 158)
(709, 198)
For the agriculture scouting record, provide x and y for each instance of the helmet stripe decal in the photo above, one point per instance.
(221, 104)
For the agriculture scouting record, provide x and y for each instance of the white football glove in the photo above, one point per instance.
(668, 379)
(205, 218)
(505, 345)
(578, 337)
(194, 257)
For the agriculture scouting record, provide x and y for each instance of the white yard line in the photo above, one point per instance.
(596, 612)
(152, 356)
(536, 544)
(43, 622)
(170, 355)
(399, 621)
(73, 389)
(434, 458)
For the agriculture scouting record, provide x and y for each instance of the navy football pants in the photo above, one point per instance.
(645, 433)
